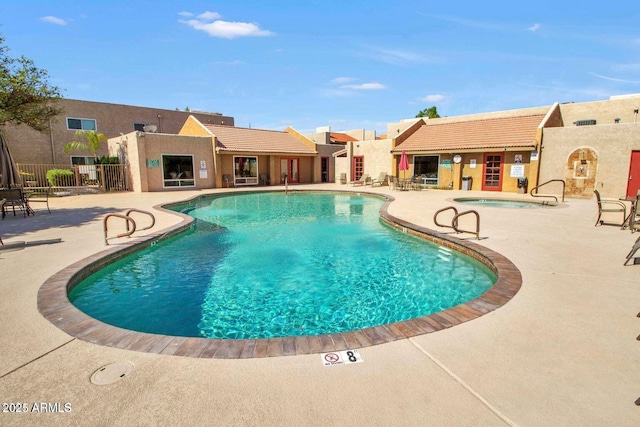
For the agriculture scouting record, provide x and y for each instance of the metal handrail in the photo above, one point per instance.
(131, 224)
(454, 222)
(153, 219)
(435, 216)
(128, 233)
(564, 184)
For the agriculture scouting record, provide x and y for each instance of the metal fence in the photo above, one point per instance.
(75, 178)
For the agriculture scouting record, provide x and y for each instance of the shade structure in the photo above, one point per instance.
(404, 162)
(9, 174)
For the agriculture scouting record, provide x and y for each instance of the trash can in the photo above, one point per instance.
(466, 183)
(523, 183)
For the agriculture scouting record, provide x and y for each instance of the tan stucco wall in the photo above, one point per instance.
(153, 146)
(377, 153)
(612, 144)
(604, 112)
(29, 146)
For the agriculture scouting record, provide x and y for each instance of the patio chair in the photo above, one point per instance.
(382, 179)
(343, 178)
(264, 179)
(634, 219)
(605, 206)
(227, 180)
(2, 209)
(15, 199)
(632, 253)
(38, 195)
(362, 181)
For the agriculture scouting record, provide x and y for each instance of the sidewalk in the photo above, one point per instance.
(562, 352)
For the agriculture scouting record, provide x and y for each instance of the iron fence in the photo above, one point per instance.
(75, 178)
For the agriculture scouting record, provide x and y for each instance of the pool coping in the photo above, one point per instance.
(53, 302)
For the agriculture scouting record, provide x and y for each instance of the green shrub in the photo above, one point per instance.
(57, 177)
(104, 160)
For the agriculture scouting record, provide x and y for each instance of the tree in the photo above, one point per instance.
(92, 145)
(431, 113)
(26, 97)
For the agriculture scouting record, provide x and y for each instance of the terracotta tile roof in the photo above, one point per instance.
(235, 139)
(503, 132)
(338, 137)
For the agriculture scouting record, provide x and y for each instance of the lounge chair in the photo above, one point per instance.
(343, 178)
(632, 253)
(2, 209)
(605, 205)
(634, 216)
(362, 181)
(382, 180)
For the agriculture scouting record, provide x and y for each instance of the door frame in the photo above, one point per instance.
(500, 173)
(634, 169)
(290, 179)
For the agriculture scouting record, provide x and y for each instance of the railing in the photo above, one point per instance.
(454, 220)
(81, 179)
(548, 195)
(130, 224)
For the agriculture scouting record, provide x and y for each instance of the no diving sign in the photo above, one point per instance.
(341, 357)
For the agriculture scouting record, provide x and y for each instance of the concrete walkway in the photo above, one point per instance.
(562, 352)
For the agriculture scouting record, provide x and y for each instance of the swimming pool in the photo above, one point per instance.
(264, 265)
(506, 203)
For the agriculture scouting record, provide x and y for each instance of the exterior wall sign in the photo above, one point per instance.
(517, 171)
(153, 163)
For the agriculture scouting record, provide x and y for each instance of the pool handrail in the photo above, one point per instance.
(128, 233)
(435, 216)
(454, 220)
(153, 218)
(131, 224)
(548, 195)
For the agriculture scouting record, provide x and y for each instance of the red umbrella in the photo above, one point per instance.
(404, 162)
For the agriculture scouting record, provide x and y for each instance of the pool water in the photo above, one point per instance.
(503, 203)
(261, 265)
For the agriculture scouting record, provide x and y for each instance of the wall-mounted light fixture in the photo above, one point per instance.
(582, 157)
(617, 120)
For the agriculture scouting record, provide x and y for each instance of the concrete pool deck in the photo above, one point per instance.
(563, 351)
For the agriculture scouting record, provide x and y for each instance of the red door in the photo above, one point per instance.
(492, 173)
(633, 185)
(358, 168)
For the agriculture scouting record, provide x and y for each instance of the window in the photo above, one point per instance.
(139, 127)
(245, 170)
(81, 124)
(177, 170)
(426, 167)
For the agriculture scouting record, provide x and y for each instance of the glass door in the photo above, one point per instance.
(289, 169)
(492, 174)
(358, 168)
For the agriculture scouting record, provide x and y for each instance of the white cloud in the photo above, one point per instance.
(613, 79)
(54, 20)
(535, 27)
(209, 16)
(185, 14)
(342, 80)
(210, 23)
(432, 98)
(365, 86)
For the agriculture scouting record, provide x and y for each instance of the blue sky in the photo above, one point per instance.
(316, 63)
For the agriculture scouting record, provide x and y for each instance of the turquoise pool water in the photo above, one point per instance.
(503, 203)
(262, 265)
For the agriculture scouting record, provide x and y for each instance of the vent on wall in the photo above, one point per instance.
(584, 122)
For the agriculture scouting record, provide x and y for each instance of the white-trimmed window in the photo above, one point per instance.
(246, 170)
(74, 123)
(177, 170)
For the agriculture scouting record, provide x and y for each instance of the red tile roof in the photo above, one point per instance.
(235, 139)
(503, 132)
(341, 137)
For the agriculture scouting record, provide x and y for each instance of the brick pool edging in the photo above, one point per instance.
(54, 304)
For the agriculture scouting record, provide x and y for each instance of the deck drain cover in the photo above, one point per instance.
(111, 373)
